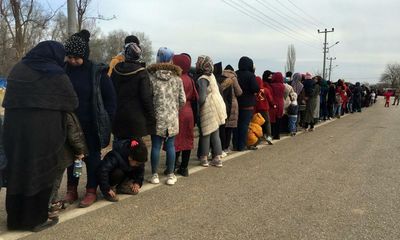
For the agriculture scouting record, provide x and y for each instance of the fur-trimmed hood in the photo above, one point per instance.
(164, 71)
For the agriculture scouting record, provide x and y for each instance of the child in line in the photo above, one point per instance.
(122, 169)
(387, 98)
(292, 112)
(75, 148)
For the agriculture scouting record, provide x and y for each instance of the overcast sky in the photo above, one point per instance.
(262, 30)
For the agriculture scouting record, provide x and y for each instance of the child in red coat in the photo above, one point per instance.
(387, 98)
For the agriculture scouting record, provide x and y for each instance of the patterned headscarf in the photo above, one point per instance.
(296, 83)
(204, 65)
(132, 52)
(164, 55)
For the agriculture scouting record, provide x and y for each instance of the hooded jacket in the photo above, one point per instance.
(247, 82)
(236, 92)
(184, 140)
(278, 91)
(168, 97)
(135, 111)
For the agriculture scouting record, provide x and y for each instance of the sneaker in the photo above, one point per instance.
(154, 179)
(269, 140)
(183, 172)
(216, 163)
(224, 154)
(171, 179)
(204, 162)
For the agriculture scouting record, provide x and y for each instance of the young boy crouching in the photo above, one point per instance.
(122, 169)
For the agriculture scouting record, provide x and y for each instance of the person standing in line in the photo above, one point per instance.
(264, 103)
(311, 92)
(292, 112)
(39, 95)
(185, 138)
(396, 96)
(120, 57)
(168, 98)
(247, 101)
(97, 105)
(278, 91)
(212, 112)
(357, 91)
(232, 120)
(331, 100)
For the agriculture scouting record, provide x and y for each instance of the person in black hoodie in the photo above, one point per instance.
(247, 101)
(122, 169)
(135, 111)
(225, 88)
(95, 112)
(331, 99)
(357, 91)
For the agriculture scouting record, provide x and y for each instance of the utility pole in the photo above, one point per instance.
(72, 22)
(330, 66)
(325, 48)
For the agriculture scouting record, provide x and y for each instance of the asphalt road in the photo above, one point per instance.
(338, 182)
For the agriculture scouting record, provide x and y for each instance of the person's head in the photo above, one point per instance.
(229, 67)
(246, 64)
(47, 57)
(217, 69)
(297, 77)
(137, 152)
(289, 74)
(293, 98)
(77, 48)
(132, 52)
(204, 65)
(267, 76)
(277, 77)
(164, 55)
(183, 61)
(308, 76)
(132, 39)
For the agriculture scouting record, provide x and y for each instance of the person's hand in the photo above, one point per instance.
(135, 187)
(80, 156)
(112, 193)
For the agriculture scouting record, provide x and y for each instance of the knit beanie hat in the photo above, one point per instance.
(78, 45)
(164, 55)
(132, 39)
(132, 52)
(204, 65)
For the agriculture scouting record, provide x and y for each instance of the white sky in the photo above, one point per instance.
(367, 30)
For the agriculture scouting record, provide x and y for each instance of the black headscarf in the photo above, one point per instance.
(46, 57)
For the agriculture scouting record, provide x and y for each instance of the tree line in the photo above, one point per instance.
(24, 23)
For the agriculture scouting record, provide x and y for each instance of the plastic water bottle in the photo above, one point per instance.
(77, 168)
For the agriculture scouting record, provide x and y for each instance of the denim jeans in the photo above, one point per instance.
(156, 142)
(292, 124)
(240, 133)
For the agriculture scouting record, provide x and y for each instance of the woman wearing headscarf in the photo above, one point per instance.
(134, 117)
(311, 90)
(97, 104)
(38, 92)
(278, 91)
(212, 112)
(184, 139)
(168, 98)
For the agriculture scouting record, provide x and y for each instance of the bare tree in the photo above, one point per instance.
(84, 17)
(291, 59)
(26, 21)
(391, 75)
(106, 47)
(58, 30)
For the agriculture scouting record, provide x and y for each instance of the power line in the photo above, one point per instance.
(306, 20)
(263, 22)
(285, 16)
(276, 23)
(310, 16)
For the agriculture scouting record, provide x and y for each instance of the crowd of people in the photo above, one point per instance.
(61, 108)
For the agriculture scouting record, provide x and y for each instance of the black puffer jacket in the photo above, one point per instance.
(135, 111)
(118, 159)
(247, 82)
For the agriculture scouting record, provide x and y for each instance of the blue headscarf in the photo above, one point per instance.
(164, 55)
(46, 57)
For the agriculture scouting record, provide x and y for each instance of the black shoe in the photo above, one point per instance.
(252, 148)
(183, 171)
(45, 225)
